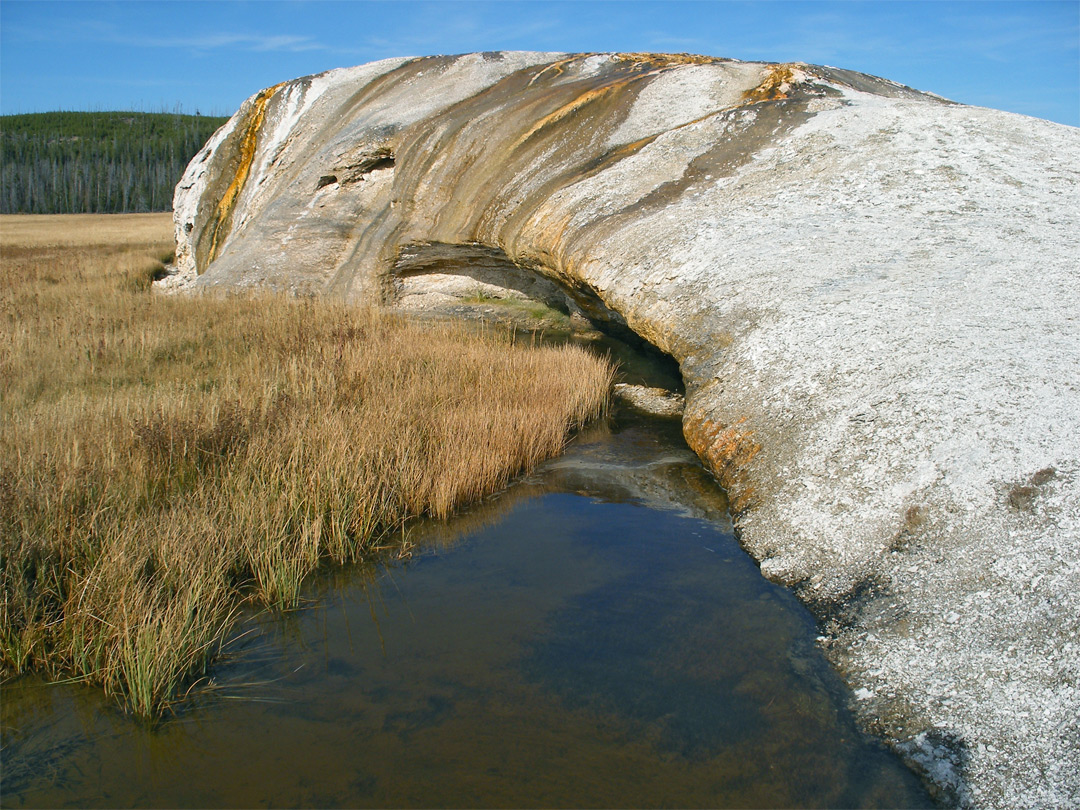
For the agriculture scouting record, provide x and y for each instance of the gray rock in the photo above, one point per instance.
(657, 401)
(872, 294)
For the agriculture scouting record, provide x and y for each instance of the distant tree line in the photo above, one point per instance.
(96, 162)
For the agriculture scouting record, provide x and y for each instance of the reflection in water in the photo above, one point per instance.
(591, 636)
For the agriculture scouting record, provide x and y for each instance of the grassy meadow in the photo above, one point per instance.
(164, 458)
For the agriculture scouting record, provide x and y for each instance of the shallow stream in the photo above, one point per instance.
(592, 636)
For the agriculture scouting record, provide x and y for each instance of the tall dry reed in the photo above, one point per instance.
(163, 458)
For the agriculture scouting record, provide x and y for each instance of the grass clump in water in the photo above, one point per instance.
(163, 458)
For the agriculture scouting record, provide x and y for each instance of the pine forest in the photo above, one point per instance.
(96, 162)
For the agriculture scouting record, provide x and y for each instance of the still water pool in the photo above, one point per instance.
(593, 636)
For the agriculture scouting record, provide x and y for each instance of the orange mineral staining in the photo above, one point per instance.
(668, 59)
(728, 450)
(777, 83)
(249, 140)
(568, 109)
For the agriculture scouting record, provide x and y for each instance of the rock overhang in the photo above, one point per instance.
(827, 255)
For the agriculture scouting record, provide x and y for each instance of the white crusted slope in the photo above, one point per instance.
(872, 293)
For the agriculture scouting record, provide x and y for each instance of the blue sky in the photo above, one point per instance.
(1018, 56)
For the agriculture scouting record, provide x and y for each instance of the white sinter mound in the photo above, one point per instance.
(873, 295)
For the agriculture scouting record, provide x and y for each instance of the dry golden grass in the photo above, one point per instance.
(162, 458)
(85, 230)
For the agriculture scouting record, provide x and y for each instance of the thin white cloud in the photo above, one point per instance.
(107, 33)
(251, 42)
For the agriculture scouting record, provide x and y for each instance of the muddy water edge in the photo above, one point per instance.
(591, 636)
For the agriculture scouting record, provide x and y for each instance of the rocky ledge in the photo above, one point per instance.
(872, 294)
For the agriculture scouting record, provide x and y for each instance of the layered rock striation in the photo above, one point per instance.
(872, 294)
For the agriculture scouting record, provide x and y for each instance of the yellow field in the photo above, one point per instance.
(83, 230)
(162, 458)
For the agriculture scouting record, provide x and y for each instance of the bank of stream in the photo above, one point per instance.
(592, 636)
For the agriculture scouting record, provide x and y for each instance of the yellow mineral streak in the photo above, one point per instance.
(568, 109)
(556, 67)
(249, 140)
(628, 149)
(658, 62)
(777, 83)
(667, 59)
